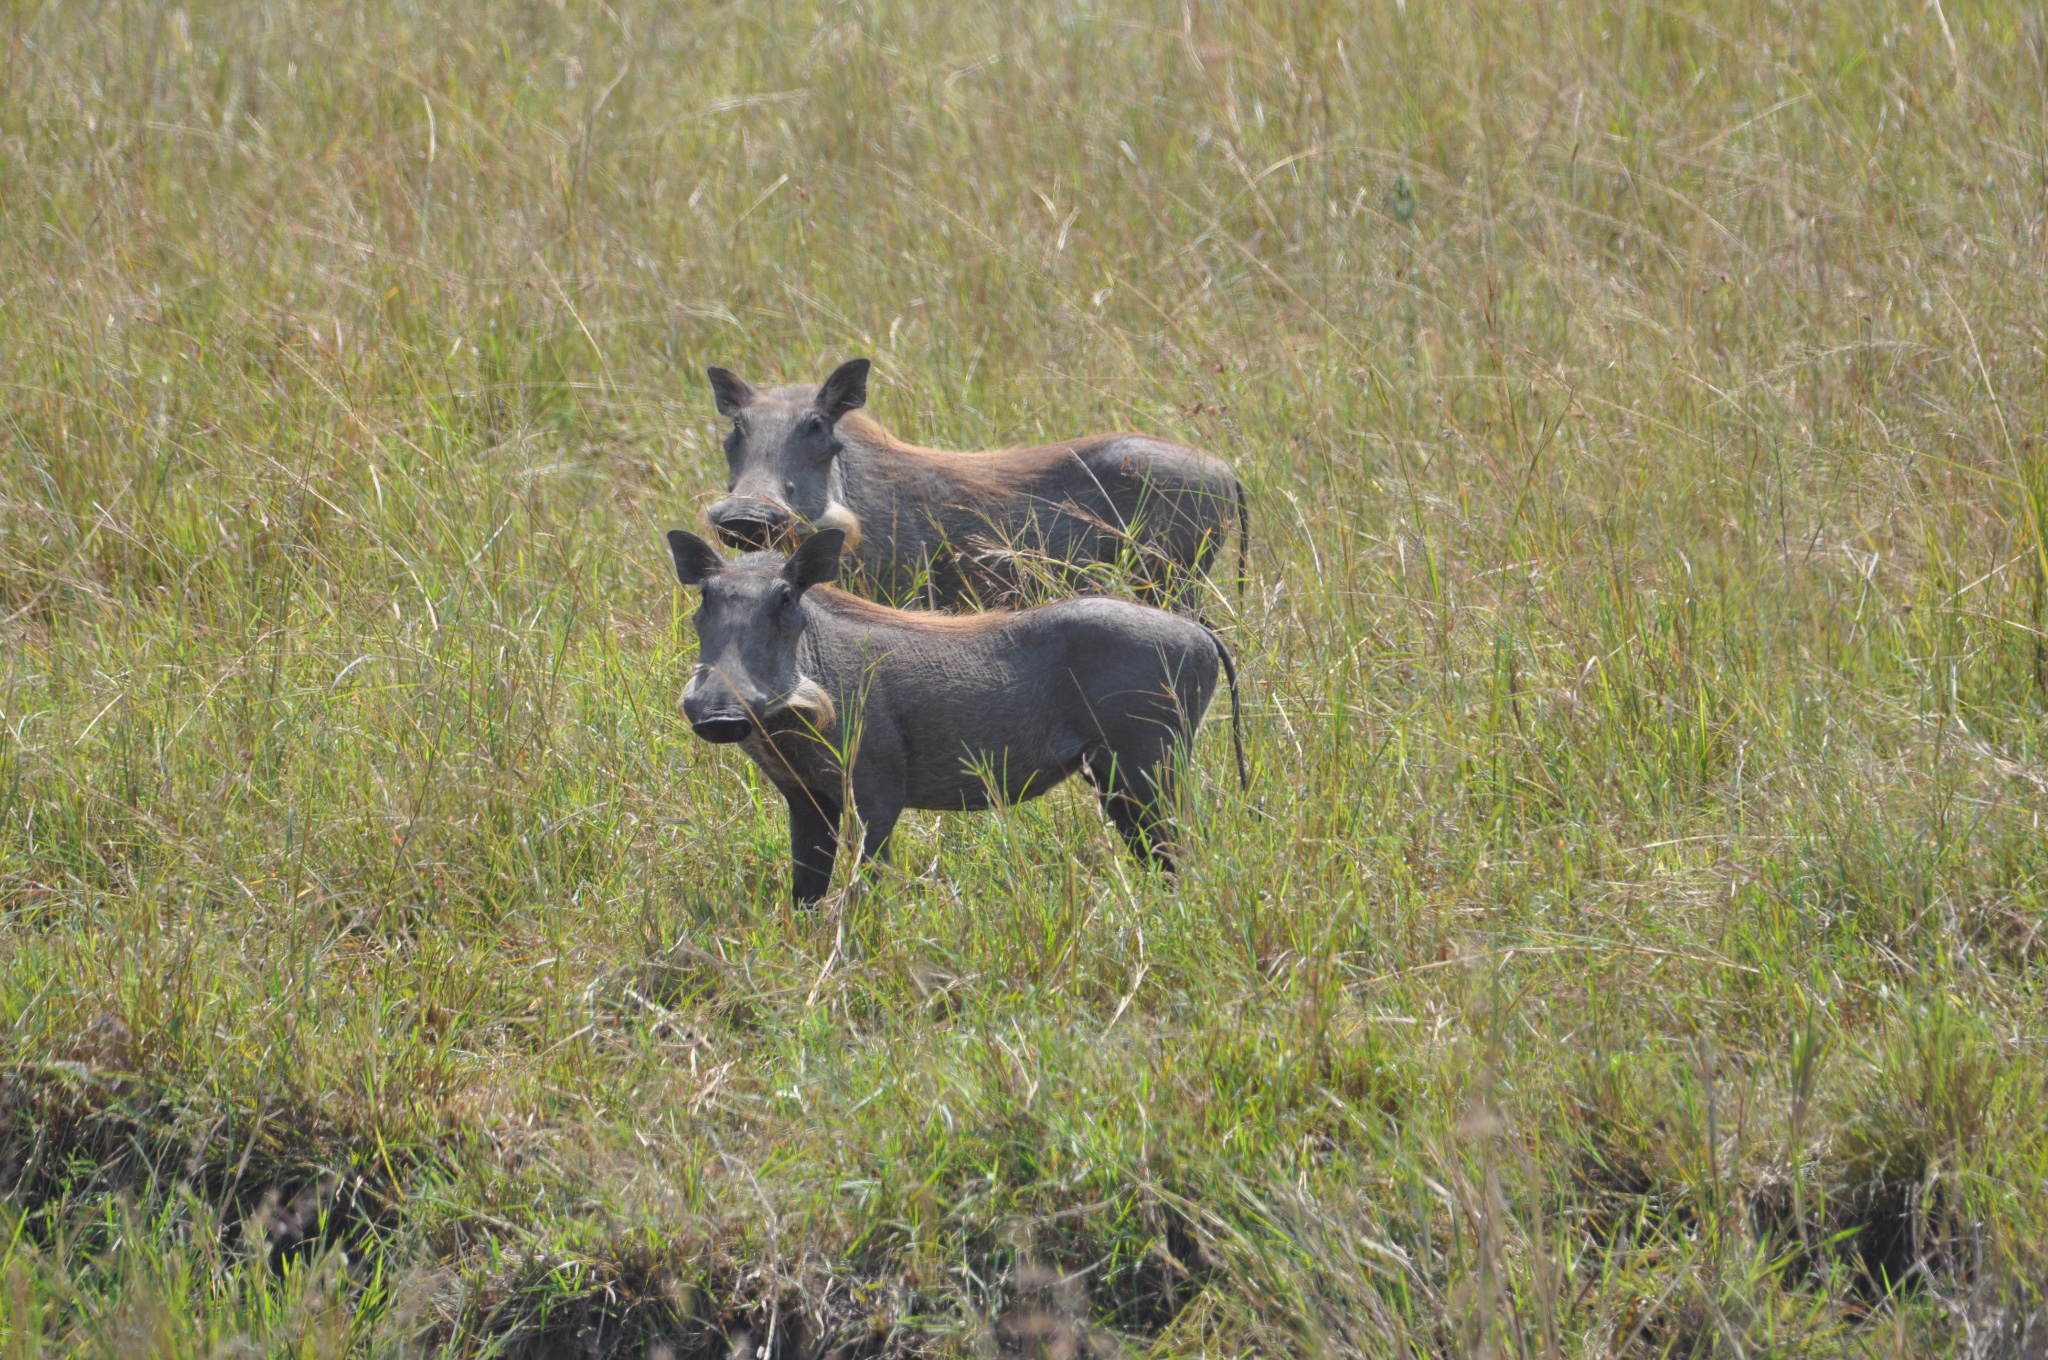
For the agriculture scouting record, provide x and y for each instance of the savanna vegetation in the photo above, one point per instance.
(1631, 944)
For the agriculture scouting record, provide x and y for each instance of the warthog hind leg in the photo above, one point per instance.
(1136, 789)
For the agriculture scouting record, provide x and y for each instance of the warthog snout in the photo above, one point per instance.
(716, 711)
(755, 525)
(723, 731)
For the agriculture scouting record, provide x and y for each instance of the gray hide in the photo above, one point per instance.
(943, 712)
(944, 527)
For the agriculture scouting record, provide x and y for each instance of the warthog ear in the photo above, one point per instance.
(846, 390)
(696, 560)
(816, 562)
(729, 390)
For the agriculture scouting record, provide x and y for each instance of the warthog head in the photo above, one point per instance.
(748, 625)
(784, 456)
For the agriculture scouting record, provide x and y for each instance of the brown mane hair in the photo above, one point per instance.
(986, 470)
(870, 431)
(853, 607)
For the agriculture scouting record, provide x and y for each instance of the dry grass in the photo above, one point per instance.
(1631, 944)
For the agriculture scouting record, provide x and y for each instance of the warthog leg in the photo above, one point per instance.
(878, 823)
(813, 844)
(1136, 789)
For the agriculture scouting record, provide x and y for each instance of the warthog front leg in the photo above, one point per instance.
(813, 844)
(878, 796)
(878, 822)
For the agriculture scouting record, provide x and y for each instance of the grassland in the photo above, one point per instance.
(1631, 944)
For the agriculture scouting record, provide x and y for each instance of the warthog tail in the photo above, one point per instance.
(1244, 541)
(1244, 778)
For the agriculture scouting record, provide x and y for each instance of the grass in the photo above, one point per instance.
(1632, 941)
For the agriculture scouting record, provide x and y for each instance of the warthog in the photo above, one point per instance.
(950, 526)
(830, 694)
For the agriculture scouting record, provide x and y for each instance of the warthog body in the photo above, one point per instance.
(945, 527)
(830, 694)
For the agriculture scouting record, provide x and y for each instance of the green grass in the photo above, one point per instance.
(1632, 943)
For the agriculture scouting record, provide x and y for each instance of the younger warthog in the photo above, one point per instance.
(947, 525)
(830, 694)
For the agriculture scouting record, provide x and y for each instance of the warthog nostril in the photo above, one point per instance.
(723, 731)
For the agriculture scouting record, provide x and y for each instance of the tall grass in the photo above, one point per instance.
(1631, 943)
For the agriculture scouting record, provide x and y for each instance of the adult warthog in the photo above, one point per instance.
(946, 527)
(832, 695)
